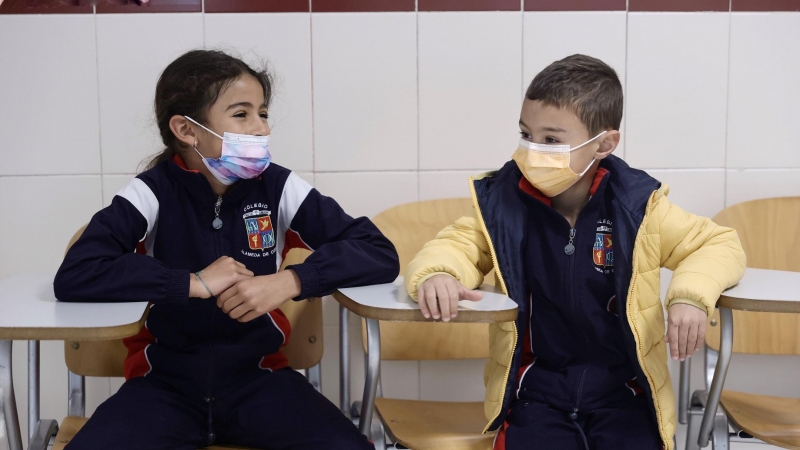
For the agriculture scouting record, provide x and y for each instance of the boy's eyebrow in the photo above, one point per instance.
(523, 124)
(554, 129)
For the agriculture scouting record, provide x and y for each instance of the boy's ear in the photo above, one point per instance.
(608, 143)
(182, 129)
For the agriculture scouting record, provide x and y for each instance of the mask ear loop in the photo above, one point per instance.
(202, 126)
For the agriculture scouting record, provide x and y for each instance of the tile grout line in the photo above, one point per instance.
(99, 120)
(727, 106)
(313, 111)
(419, 148)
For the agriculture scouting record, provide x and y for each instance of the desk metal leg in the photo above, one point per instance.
(726, 347)
(344, 361)
(373, 372)
(10, 434)
(33, 388)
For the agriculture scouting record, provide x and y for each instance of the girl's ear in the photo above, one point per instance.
(182, 129)
(608, 144)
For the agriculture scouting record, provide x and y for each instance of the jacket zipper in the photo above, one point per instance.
(209, 399)
(499, 275)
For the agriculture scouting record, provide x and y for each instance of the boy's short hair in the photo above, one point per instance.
(587, 86)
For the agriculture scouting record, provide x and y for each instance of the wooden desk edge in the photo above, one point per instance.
(758, 305)
(415, 315)
(74, 334)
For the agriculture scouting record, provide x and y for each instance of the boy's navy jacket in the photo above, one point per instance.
(158, 229)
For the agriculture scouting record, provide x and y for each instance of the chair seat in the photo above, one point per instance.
(71, 425)
(774, 420)
(423, 425)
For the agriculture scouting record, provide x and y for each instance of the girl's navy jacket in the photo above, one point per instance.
(158, 229)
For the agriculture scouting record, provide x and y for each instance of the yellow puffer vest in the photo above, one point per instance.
(705, 258)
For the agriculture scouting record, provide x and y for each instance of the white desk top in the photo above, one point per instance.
(390, 301)
(30, 311)
(764, 290)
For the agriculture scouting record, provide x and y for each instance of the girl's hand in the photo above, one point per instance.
(219, 276)
(254, 297)
(686, 330)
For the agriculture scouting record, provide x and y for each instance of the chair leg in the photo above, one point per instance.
(693, 428)
(314, 375)
(720, 437)
(11, 437)
(76, 402)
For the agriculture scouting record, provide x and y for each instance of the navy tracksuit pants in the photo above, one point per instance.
(627, 425)
(279, 410)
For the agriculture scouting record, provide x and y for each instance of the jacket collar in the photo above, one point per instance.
(198, 186)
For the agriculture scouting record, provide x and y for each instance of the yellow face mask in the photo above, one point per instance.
(546, 167)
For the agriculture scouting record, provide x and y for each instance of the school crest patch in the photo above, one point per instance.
(603, 249)
(260, 233)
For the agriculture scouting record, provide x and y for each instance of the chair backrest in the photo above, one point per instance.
(770, 233)
(105, 358)
(409, 227)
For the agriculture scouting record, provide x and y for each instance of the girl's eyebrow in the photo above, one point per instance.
(236, 105)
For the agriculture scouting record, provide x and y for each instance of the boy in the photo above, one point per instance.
(576, 238)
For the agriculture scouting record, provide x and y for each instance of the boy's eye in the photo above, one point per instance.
(550, 140)
(525, 135)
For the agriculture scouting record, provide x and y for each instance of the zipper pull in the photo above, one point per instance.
(217, 223)
(570, 248)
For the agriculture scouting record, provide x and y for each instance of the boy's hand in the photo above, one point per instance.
(257, 296)
(219, 276)
(686, 330)
(443, 292)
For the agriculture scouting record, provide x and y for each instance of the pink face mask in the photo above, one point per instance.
(243, 156)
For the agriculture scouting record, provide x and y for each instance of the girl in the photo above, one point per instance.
(201, 235)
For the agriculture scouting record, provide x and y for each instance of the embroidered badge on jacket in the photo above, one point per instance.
(603, 251)
(260, 234)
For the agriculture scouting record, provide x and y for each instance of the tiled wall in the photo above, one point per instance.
(382, 108)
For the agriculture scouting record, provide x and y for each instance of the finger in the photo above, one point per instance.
(239, 311)
(444, 302)
(469, 294)
(232, 303)
(421, 301)
(228, 293)
(701, 335)
(672, 338)
(691, 340)
(253, 314)
(452, 300)
(683, 335)
(430, 299)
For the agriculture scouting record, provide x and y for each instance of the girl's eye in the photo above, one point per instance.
(241, 114)
(525, 135)
(550, 140)
(264, 116)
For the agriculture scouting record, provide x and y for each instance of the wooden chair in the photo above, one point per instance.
(420, 424)
(770, 236)
(105, 358)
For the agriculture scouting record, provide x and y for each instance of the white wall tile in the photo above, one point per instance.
(308, 176)
(677, 88)
(46, 213)
(365, 91)
(132, 51)
(600, 34)
(745, 185)
(284, 42)
(469, 96)
(763, 110)
(459, 380)
(699, 191)
(113, 184)
(48, 93)
(368, 193)
(446, 184)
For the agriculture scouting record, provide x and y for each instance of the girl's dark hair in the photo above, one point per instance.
(191, 84)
